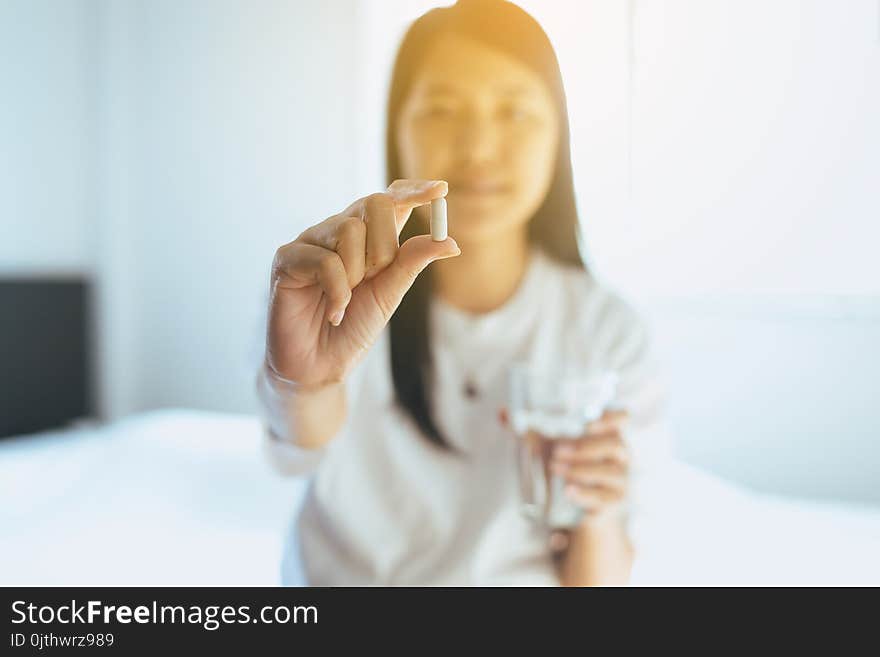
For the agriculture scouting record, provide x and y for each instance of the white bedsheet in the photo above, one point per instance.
(185, 498)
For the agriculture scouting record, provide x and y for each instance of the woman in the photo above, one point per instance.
(385, 378)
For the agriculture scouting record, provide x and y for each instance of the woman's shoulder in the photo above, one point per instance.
(591, 303)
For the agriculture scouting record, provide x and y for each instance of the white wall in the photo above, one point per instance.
(777, 393)
(47, 193)
(752, 225)
(168, 148)
(239, 121)
(756, 149)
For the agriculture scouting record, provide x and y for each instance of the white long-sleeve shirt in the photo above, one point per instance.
(384, 506)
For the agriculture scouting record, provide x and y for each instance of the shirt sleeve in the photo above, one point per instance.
(279, 447)
(274, 395)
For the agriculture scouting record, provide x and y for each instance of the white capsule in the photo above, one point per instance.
(438, 219)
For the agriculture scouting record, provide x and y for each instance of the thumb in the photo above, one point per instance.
(412, 257)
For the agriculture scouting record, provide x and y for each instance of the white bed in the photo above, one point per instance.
(185, 498)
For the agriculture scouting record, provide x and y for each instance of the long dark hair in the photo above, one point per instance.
(505, 27)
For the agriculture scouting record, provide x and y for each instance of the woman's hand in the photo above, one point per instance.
(596, 470)
(595, 467)
(336, 286)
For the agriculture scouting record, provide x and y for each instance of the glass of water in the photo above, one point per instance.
(548, 405)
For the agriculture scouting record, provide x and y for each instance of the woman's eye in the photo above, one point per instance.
(438, 111)
(514, 113)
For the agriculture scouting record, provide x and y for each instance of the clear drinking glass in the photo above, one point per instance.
(548, 405)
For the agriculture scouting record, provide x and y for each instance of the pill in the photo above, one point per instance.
(438, 219)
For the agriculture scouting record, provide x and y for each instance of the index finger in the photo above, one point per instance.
(413, 193)
(615, 414)
(611, 421)
(592, 449)
(409, 194)
(406, 194)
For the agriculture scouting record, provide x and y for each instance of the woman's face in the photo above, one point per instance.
(488, 125)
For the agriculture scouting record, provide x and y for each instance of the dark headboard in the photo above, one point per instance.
(45, 353)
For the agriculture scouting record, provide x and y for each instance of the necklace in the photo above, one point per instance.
(470, 389)
(468, 386)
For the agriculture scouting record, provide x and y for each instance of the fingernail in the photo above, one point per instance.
(336, 318)
(447, 255)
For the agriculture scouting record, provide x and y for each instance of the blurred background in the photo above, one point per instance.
(154, 154)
